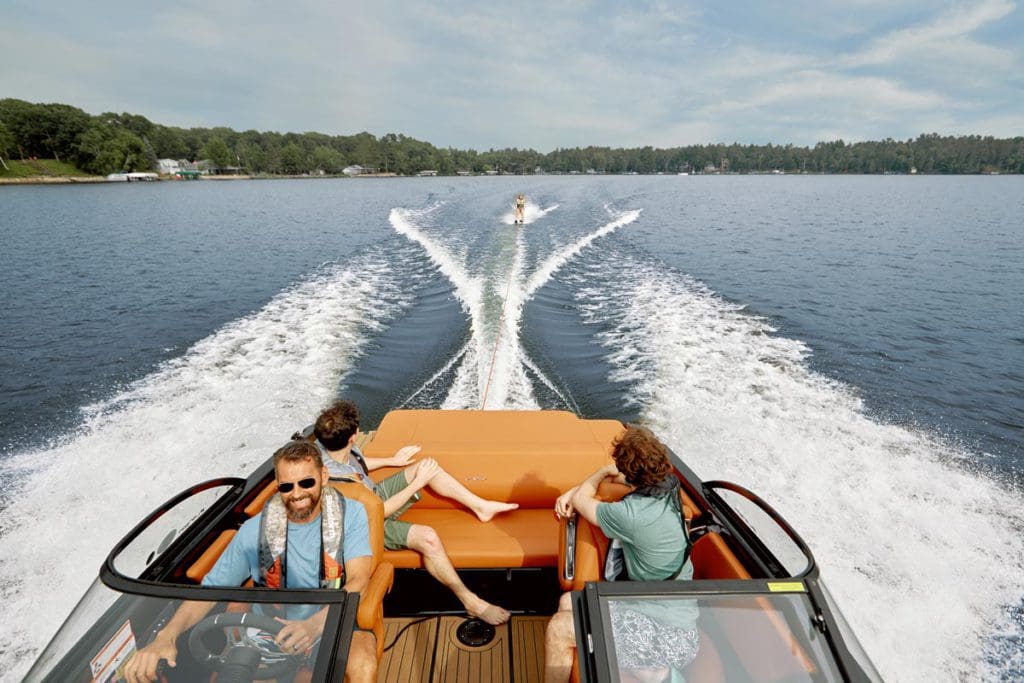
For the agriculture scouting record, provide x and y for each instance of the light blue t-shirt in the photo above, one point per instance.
(240, 560)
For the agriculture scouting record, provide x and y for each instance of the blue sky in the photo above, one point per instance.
(540, 75)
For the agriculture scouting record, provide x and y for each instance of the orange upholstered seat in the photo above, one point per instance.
(527, 458)
(523, 538)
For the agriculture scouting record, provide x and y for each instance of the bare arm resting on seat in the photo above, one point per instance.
(401, 458)
(585, 500)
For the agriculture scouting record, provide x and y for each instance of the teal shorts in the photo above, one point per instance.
(396, 532)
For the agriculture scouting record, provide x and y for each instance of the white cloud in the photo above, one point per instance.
(538, 75)
(810, 88)
(932, 36)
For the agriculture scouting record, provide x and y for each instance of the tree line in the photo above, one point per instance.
(112, 142)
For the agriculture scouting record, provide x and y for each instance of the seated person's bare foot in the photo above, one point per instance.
(492, 614)
(489, 508)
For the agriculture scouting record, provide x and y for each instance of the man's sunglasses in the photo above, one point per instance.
(307, 483)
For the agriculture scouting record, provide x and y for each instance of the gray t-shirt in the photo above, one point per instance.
(350, 470)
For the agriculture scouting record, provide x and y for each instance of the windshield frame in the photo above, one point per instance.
(150, 586)
(342, 605)
(592, 640)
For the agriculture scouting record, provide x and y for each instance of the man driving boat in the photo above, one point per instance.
(292, 542)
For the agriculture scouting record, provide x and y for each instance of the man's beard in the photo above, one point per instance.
(303, 514)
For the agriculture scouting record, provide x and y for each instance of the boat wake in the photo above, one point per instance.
(493, 370)
(218, 409)
(891, 514)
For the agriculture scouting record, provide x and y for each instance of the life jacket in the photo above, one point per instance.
(273, 560)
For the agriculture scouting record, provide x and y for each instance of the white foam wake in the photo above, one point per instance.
(550, 265)
(488, 366)
(493, 372)
(922, 555)
(469, 290)
(219, 410)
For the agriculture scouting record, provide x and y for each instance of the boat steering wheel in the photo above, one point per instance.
(240, 663)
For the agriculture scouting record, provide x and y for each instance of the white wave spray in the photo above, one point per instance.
(532, 213)
(219, 410)
(922, 555)
(493, 372)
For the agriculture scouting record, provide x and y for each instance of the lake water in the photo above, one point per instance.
(851, 348)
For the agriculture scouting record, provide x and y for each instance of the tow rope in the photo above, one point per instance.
(501, 323)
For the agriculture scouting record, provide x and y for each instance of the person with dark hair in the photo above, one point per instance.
(650, 540)
(287, 534)
(335, 430)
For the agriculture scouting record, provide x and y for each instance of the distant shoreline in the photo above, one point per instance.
(52, 180)
(73, 180)
(96, 179)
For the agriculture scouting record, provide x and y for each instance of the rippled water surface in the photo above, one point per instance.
(852, 348)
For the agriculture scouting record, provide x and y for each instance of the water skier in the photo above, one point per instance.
(520, 208)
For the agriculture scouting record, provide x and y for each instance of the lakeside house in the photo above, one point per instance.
(168, 166)
(133, 177)
(427, 173)
(356, 169)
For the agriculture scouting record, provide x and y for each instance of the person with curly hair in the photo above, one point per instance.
(653, 640)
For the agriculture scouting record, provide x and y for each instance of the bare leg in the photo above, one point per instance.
(446, 485)
(362, 658)
(424, 540)
(559, 643)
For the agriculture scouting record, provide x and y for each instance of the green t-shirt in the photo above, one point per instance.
(653, 544)
(652, 536)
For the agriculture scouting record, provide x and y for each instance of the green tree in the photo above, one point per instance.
(216, 150)
(327, 159)
(6, 143)
(168, 143)
(44, 130)
(293, 159)
(103, 149)
(251, 156)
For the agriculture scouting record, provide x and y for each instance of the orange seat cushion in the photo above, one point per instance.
(204, 564)
(521, 538)
(712, 559)
(528, 458)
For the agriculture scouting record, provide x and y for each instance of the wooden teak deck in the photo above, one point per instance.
(429, 652)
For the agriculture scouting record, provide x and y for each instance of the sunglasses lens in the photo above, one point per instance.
(307, 483)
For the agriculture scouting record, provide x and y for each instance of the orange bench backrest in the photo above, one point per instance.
(528, 458)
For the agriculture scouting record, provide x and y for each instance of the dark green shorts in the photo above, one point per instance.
(396, 532)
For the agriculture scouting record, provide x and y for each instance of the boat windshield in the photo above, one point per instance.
(152, 572)
(108, 627)
(640, 634)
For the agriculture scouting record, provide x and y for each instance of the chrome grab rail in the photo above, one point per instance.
(569, 570)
